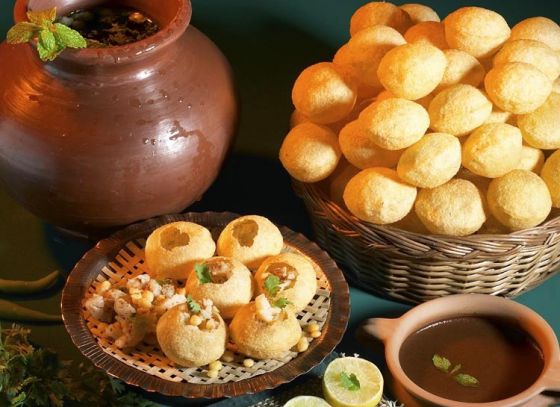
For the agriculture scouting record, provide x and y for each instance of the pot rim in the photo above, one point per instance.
(122, 53)
(453, 304)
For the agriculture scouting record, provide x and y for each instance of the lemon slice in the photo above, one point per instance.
(367, 394)
(307, 401)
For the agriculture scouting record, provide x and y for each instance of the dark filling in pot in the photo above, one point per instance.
(472, 359)
(111, 25)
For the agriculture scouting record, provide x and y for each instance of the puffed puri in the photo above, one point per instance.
(379, 196)
(310, 153)
(379, 13)
(419, 13)
(394, 123)
(519, 200)
(551, 175)
(478, 31)
(541, 128)
(412, 71)
(535, 53)
(188, 345)
(455, 208)
(539, 29)
(432, 161)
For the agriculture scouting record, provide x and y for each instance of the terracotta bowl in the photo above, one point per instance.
(130, 367)
(393, 332)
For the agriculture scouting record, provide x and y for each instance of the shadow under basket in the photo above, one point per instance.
(413, 268)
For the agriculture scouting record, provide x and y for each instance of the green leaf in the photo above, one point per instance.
(68, 37)
(466, 380)
(47, 46)
(22, 32)
(455, 369)
(281, 302)
(42, 17)
(441, 363)
(194, 306)
(271, 284)
(203, 273)
(349, 381)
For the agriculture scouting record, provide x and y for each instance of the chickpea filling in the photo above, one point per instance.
(285, 272)
(245, 232)
(173, 237)
(205, 318)
(220, 270)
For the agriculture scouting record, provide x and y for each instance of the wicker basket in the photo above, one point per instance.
(413, 268)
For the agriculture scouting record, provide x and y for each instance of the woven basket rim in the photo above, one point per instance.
(314, 191)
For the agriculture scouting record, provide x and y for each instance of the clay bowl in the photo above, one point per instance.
(393, 332)
(122, 255)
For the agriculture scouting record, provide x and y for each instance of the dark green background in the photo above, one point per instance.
(268, 42)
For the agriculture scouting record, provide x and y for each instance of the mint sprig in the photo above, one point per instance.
(203, 273)
(443, 364)
(52, 38)
(349, 381)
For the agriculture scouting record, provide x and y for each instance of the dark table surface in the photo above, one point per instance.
(268, 43)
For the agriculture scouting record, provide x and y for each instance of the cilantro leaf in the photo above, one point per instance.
(466, 380)
(441, 363)
(203, 273)
(22, 32)
(271, 284)
(68, 37)
(194, 306)
(349, 381)
(281, 302)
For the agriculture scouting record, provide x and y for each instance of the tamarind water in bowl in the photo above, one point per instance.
(472, 359)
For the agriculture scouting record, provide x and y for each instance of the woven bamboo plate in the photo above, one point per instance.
(122, 256)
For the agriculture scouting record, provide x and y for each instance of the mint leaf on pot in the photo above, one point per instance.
(22, 33)
(466, 380)
(47, 46)
(441, 363)
(42, 17)
(69, 37)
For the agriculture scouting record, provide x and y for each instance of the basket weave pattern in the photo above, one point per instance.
(413, 268)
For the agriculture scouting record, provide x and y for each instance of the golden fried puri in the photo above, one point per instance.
(431, 31)
(517, 87)
(230, 288)
(551, 175)
(412, 71)
(475, 30)
(296, 276)
(455, 208)
(493, 150)
(419, 13)
(338, 180)
(432, 161)
(262, 339)
(173, 249)
(461, 68)
(394, 123)
(379, 13)
(539, 29)
(361, 151)
(535, 53)
(362, 54)
(379, 196)
(532, 159)
(310, 152)
(500, 116)
(250, 239)
(459, 109)
(189, 345)
(541, 128)
(324, 93)
(519, 200)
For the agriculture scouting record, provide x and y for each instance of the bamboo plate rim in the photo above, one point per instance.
(90, 265)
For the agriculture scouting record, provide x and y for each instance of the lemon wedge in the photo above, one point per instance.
(307, 401)
(352, 382)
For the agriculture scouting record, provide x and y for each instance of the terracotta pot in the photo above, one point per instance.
(393, 332)
(105, 137)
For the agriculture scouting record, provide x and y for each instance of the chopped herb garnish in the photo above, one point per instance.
(194, 306)
(203, 273)
(349, 381)
(463, 379)
(466, 380)
(281, 302)
(272, 284)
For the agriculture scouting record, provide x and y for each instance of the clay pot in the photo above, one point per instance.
(393, 332)
(103, 137)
